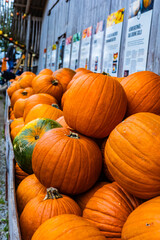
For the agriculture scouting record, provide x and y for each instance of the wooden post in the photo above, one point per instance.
(27, 42)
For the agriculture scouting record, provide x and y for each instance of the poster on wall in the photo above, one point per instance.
(53, 58)
(112, 42)
(61, 44)
(75, 50)
(85, 48)
(67, 52)
(49, 53)
(97, 44)
(138, 31)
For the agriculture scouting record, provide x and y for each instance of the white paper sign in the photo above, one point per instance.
(85, 48)
(97, 48)
(53, 58)
(112, 42)
(75, 51)
(138, 32)
(67, 52)
(49, 52)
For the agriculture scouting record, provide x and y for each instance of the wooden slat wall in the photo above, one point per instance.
(75, 15)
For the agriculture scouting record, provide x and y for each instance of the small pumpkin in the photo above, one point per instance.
(19, 174)
(62, 121)
(21, 93)
(27, 73)
(46, 71)
(27, 138)
(26, 81)
(88, 110)
(132, 154)
(143, 222)
(146, 3)
(111, 205)
(64, 76)
(80, 157)
(44, 110)
(18, 107)
(16, 130)
(16, 122)
(48, 84)
(68, 226)
(28, 189)
(12, 88)
(36, 99)
(43, 207)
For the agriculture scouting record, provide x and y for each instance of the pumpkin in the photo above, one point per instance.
(68, 161)
(21, 93)
(11, 116)
(48, 84)
(46, 71)
(43, 207)
(83, 198)
(28, 189)
(143, 222)
(12, 88)
(19, 174)
(27, 138)
(37, 99)
(146, 3)
(81, 69)
(81, 72)
(27, 73)
(62, 121)
(142, 90)
(88, 110)
(132, 154)
(64, 76)
(67, 226)
(16, 130)
(26, 81)
(109, 208)
(16, 122)
(18, 108)
(43, 110)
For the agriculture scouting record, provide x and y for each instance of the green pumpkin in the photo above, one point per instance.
(26, 139)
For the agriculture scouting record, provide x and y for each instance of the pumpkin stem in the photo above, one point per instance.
(52, 193)
(24, 93)
(73, 135)
(54, 82)
(55, 105)
(36, 137)
(104, 73)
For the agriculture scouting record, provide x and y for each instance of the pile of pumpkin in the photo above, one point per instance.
(87, 151)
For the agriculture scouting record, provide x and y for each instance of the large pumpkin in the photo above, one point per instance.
(94, 105)
(21, 93)
(43, 207)
(109, 208)
(67, 226)
(46, 71)
(142, 90)
(143, 223)
(64, 76)
(26, 81)
(78, 74)
(68, 161)
(27, 138)
(132, 154)
(37, 99)
(28, 189)
(19, 106)
(27, 73)
(44, 110)
(47, 84)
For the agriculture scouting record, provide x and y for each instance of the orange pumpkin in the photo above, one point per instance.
(26, 81)
(36, 99)
(43, 111)
(28, 189)
(80, 157)
(12, 88)
(132, 154)
(16, 130)
(44, 207)
(143, 222)
(27, 73)
(88, 110)
(16, 122)
(47, 84)
(21, 93)
(111, 205)
(64, 76)
(62, 121)
(46, 71)
(67, 226)
(19, 174)
(142, 90)
(18, 108)
(146, 3)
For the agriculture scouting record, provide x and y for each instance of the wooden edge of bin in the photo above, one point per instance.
(14, 229)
